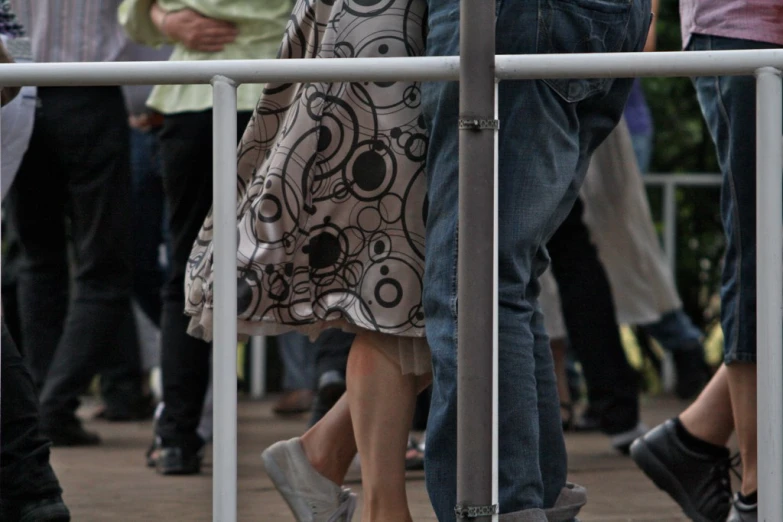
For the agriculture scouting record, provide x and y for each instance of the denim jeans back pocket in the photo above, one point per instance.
(581, 26)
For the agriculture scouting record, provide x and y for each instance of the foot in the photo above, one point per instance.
(175, 460)
(742, 512)
(692, 372)
(311, 496)
(698, 482)
(294, 402)
(46, 510)
(70, 433)
(622, 441)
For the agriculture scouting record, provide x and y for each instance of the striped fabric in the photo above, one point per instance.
(72, 30)
(755, 20)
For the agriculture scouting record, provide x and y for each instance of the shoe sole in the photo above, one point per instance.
(295, 503)
(666, 481)
(56, 513)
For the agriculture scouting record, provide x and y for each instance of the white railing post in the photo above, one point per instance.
(769, 300)
(224, 145)
(670, 223)
(258, 367)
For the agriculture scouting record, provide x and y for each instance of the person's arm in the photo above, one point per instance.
(193, 30)
(651, 38)
(7, 93)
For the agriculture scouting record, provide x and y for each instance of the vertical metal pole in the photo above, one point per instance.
(224, 144)
(769, 280)
(477, 261)
(258, 367)
(670, 223)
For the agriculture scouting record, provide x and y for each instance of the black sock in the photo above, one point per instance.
(696, 444)
(750, 500)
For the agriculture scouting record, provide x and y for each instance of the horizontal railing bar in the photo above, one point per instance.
(697, 63)
(683, 180)
(627, 65)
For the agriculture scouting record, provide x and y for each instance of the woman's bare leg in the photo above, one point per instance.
(382, 401)
(329, 444)
(710, 416)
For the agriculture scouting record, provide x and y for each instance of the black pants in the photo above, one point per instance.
(25, 472)
(77, 172)
(186, 152)
(589, 315)
(333, 347)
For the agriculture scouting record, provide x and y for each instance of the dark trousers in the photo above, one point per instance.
(589, 315)
(186, 152)
(76, 171)
(25, 472)
(149, 226)
(333, 347)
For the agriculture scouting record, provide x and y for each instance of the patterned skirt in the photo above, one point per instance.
(332, 188)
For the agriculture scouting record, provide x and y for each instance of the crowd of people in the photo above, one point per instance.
(347, 250)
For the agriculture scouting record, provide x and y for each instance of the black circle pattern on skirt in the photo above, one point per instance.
(331, 183)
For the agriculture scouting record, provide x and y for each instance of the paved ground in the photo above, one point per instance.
(111, 482)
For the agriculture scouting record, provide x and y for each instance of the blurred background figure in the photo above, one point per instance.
(29, 489)
(72, 192)
(198, 30)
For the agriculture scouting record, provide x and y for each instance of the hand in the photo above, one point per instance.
(193, 30)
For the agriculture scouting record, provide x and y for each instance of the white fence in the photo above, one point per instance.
(224, 75)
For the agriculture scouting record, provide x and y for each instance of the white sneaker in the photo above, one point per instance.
(311, 496)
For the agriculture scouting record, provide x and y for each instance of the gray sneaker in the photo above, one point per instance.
(311, 496)
(741, 512)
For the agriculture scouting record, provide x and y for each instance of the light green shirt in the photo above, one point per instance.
(260, 23)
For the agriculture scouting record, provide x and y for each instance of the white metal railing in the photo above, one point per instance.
(224, 75)
(670, 183)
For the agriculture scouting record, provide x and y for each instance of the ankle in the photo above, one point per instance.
(749, 499)
(696, 443)
(380, 508)
(319, 460)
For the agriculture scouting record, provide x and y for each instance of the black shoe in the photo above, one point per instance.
(70, 433)
(331, 386)
(46, 510)
(699, 483)
(692, 372)
(173, 460)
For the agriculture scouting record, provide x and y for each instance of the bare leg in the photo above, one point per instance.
(329, 444)
(742, 386)
(382, 403)
(710, 416)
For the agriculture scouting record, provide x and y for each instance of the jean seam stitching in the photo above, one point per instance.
(733, 342)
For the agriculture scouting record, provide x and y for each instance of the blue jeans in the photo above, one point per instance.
(728, 104)
(545, 146)
(675, 331)
(643, 149)
(299, 356)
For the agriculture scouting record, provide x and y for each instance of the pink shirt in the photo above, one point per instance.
(757, 20)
